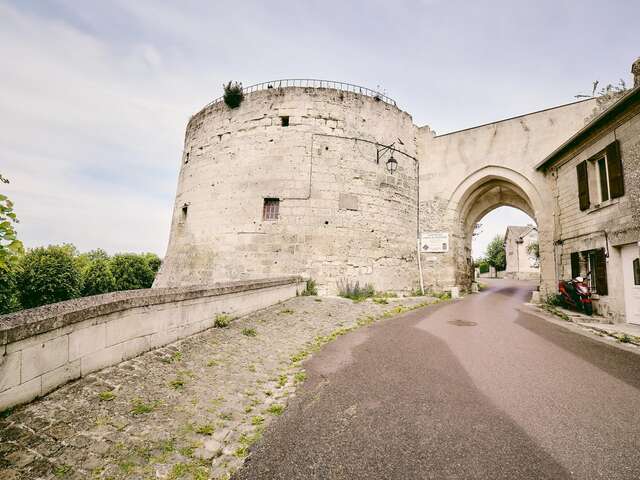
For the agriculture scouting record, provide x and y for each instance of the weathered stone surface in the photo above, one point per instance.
(195, 404)
(94, 339)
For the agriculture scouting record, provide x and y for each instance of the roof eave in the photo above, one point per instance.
(633, 94)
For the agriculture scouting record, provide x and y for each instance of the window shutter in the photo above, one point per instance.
(575, 264)
(614, 164)
(600, 273)
(583, 185)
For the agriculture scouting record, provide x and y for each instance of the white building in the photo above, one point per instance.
(521, 249)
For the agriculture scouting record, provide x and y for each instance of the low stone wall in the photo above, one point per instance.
(45, 347)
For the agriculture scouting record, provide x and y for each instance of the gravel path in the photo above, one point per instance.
(188, 410)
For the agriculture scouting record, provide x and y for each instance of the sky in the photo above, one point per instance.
(95, 95)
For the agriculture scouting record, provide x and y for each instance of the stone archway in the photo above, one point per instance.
(482, 191)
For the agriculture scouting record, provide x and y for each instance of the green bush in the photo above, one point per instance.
(47, 275)
(233, 95)
(131, 271)
(97, 278)
(9, 301)
(310, 289)
(153, 261)
(354, 291)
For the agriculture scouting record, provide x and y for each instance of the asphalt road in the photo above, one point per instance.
(473, 389)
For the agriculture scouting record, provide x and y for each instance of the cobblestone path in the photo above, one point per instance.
(187, 410)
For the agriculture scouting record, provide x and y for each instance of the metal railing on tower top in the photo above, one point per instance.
(313, 83)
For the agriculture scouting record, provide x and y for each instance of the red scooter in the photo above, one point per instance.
(576, 294)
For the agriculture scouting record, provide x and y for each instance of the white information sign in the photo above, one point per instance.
(431, 242)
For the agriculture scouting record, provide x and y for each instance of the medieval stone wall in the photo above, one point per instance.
(466, 174)
(342, 216)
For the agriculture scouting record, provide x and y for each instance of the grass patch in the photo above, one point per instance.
(205, 429)
(257, 420)
(222, 321)
(300, 377)
(380, 301)
(62, 471)
(212, 363)
(194, 470)
(249, 332)
(624, 338)
(141, 408)
(177, 383)
(275, 409)
(286, 311)
(282, 381)
(106, 396)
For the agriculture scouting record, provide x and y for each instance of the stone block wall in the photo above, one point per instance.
(342, 216)
(45, 347)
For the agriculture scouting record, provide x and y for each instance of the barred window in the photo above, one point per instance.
(271, 209)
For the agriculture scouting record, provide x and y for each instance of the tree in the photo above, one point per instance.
(533, 249)
(495, 254)
(10, 246)
(131, 271)
(47, 275)
(153, 261)
(83, 260)
(97, 278)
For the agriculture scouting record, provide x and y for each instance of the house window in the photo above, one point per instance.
(271, 209)
(603, 176)
(606, 168)
(284, 121)
(185, 209)
(636, 271)
(591, 263)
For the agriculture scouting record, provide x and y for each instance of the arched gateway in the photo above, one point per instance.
(297, 180)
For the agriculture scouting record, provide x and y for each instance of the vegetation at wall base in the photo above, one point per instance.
(311, 289)
(233, 95)
(354, 291)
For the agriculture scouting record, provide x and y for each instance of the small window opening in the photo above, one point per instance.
(185, 208)
(285, 121)
(271, 209)
(636, 271)
(604, 179)
(186, 158)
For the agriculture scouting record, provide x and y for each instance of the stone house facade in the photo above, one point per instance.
(522, 263)
(595, 180)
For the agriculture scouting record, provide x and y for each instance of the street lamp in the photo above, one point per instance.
(392, 165)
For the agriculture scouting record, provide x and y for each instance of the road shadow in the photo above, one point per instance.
(402, 408)
(624, 366)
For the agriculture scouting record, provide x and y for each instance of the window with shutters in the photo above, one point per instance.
(601, 177)
(597, 268)
(271, 209)
(591, 264)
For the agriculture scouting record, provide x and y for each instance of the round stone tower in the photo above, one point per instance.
(287, 184)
